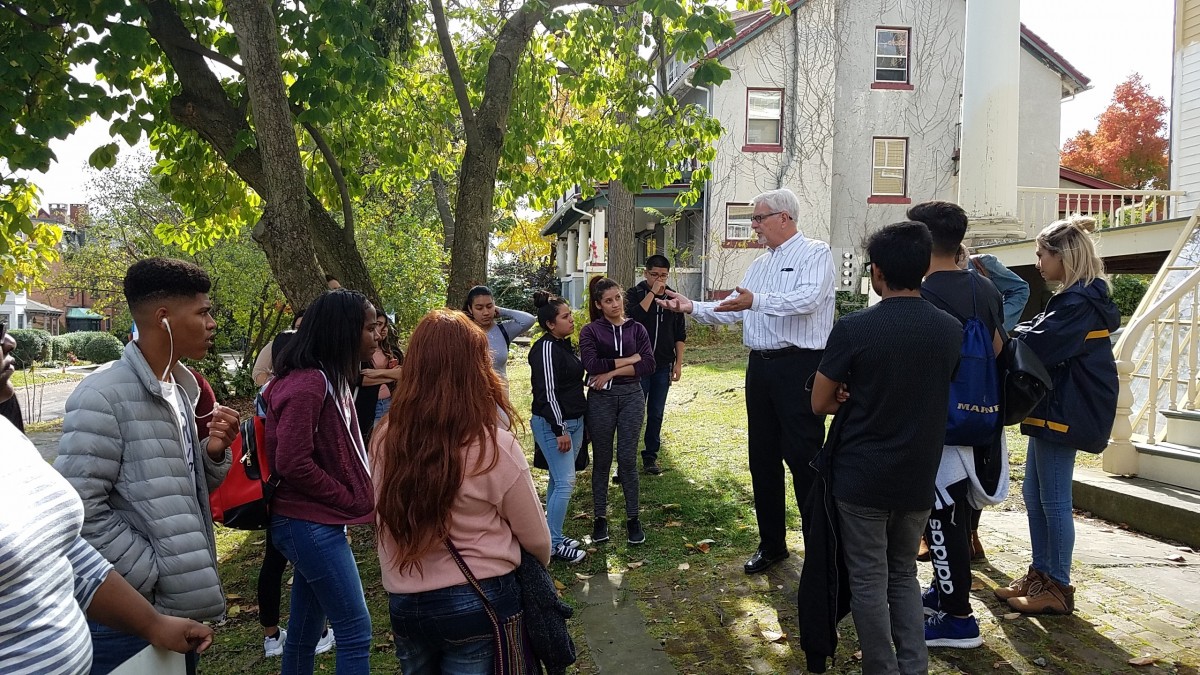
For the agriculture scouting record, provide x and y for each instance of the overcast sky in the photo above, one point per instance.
(1104, 39)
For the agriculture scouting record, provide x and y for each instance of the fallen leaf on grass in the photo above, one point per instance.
(1175, 558)
(976, 585)
(1142, 661)
(674, 523)
(1012, 615)
(559, 585)
(857, 656)
(234, 611)
(382, 646)
(668, 507)
(689, 545)
(1040, 662)
(743, 528)
(232, 596)
(684, 567)
(582, 515)
(704, 544)
(592, 550)
(635, 565)
(582, 577)
(774, 635)
(291, 579)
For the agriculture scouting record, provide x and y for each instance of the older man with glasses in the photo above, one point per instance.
(785, 303)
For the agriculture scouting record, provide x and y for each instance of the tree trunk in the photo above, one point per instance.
(622, 247)
(473, 221)
(293, 247)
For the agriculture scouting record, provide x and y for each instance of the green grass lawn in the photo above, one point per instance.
(709, 616)
(25, 378)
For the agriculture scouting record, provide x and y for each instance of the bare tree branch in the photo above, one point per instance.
(454, 70)
(445, 213)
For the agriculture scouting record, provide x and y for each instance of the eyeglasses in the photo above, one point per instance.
(758, 219)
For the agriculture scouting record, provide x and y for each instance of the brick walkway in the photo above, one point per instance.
(1134, 597)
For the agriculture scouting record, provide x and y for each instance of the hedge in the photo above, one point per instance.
(32, 345)
(94, 346)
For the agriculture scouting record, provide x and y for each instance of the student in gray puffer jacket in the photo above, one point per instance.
(131, 451)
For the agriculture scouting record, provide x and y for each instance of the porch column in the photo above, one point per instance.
(560, 256)
(987, 182)
(598, 235)
(572, 256)
(585, 237)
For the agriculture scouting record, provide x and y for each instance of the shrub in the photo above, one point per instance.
(101, 348)
(94, 346)
(1127, 292)
(32, 345)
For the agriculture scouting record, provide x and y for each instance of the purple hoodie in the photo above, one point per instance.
(601, 344)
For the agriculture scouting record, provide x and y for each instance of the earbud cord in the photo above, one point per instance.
(170, 358)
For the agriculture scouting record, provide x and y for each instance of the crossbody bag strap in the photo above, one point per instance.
(487, 604)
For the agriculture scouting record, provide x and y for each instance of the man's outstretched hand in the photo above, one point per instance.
(743, 300)
(676, 302)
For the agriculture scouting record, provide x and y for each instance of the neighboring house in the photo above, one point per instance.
(75, 302)
(1185, 109)
(856, 110)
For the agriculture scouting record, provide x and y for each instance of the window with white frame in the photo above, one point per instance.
(891, 54)
(764, 116)
(737, 222)
(888, 166)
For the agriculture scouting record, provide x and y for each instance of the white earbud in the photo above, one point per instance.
(166, 324)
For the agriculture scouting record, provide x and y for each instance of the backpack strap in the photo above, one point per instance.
(949, 309)
(504, 332)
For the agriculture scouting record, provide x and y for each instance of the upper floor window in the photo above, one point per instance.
(889, 167)
(892, 55)
(737, 222)
(764, 119)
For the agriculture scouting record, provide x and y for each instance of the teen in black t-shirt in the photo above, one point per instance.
(896, 360)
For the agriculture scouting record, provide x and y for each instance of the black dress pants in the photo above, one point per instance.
(782, 430)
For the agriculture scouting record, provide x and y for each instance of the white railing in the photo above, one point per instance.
(1038, 207)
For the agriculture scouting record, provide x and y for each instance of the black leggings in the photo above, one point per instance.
(949, 537)
(270, 582)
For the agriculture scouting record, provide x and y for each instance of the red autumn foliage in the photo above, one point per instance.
(1129, 145)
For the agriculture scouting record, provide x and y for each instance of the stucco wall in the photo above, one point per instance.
(1038, 125)
(927, 115)
(803, 68)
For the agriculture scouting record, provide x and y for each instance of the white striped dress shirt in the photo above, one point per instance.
(48, 573)
(793, 297)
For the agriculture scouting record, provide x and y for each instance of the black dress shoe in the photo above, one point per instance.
(761, 561)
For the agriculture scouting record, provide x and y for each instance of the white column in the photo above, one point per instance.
(585, 237)
(598, 236)
(572, 256)
(987, 185)
(560, 256)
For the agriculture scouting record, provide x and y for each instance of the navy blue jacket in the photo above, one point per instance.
(1071, 337)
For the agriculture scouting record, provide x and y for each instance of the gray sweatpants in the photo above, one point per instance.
(617, 411)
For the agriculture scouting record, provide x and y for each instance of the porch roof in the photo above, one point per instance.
(662, 199)
(35, 307)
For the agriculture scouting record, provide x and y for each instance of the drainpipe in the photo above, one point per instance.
(708, 102)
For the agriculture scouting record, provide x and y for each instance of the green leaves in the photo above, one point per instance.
(103, 156)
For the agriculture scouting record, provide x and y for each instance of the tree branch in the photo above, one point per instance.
(338, 177)
(445, 213)
(454, 70)
(54, 21)
(197, 48)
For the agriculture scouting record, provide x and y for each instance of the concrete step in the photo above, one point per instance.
(1145, 505)
(1171, 463)
(1183, 427)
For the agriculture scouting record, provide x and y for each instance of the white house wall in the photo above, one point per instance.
(927, 115)
(1040, 119)
(1185, 109)
(804, 69)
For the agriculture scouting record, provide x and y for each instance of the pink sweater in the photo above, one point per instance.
(494, 515)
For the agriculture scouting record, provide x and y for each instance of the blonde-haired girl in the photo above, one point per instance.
(1072, 338)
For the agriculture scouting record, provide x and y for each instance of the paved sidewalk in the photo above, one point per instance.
(1136, 597)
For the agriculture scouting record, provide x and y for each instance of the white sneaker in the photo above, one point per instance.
(326, 642)
(273, 646)
(567, 541)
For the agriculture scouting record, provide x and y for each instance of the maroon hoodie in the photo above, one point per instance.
(323, 476)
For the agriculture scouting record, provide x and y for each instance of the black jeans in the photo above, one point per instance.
(270, 583)
(782, 430)
(949, 537)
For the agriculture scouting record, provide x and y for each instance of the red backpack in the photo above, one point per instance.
(243, 499)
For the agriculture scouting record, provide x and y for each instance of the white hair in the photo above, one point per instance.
(783, 200)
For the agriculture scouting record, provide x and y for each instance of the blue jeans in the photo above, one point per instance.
(326, 584)
(381, 408)
(1047, 492)
(111, 648)
(562, 470)
(655, 387)
(447, 630)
